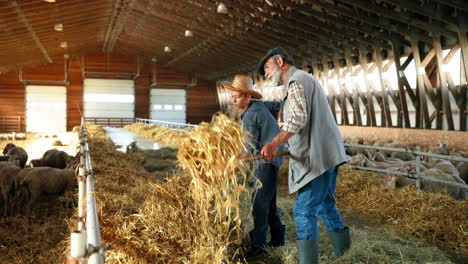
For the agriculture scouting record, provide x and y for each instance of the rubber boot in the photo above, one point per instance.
(341, 241)
(307, 251)
(258, 245)
(277, 237)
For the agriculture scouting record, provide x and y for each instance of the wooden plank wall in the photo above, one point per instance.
(12, 101)
(201, 103)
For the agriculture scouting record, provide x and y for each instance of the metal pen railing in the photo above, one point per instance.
(85, 242)
(412, 175)
(172, 125)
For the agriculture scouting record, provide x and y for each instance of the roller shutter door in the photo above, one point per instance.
(46, 108)
(169, 105)
(109, 98)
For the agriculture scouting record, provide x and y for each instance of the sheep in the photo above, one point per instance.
(7, 175)
(357, 141)
(44, 180)
(436, 174)
(374, 155)
(381, 142)
(55, 159)
(440, 149)
(16, 153)
(447, 167)
(405, 156)
(361, 160)
(35, 163)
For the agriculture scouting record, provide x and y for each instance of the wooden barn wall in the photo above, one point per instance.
(12, 96)
(202, 99)
(201, 102)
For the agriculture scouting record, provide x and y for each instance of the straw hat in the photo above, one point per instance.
(242, 84)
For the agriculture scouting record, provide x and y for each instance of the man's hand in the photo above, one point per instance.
(269, 151)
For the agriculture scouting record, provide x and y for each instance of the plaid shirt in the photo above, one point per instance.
(297, 108)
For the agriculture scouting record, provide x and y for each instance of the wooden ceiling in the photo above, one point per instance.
(222, 44)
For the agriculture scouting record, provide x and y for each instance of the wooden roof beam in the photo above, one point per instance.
(31, 31)
(116, 23)
(411, 21)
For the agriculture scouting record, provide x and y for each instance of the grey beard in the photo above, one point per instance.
(275, 79)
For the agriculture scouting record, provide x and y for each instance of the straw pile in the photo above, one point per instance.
(192, 218)
(432, 217)
(157, 133)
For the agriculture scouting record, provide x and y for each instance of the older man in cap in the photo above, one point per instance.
(257, 119)
(316, 153)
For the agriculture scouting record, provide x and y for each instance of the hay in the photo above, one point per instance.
(157, 133)
(435, 218)
(192, 218)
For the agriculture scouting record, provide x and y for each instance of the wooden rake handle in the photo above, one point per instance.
(259, 156)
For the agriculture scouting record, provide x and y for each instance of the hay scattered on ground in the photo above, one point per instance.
(432, 217)
(193, 218)
(157, 133)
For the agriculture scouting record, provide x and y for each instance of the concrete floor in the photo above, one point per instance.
(122, 138)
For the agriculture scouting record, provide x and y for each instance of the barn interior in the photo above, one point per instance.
(135, 80)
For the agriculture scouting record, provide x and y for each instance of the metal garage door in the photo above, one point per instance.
(168, 105)
(109, 98)
(46, 108)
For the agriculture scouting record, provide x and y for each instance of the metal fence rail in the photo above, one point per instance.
(412, 175)
(172, 125)
(85, 242)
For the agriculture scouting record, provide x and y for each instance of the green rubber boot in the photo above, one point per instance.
(341, 241)
(307, 251)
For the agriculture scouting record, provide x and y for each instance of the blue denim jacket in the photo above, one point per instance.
(258, 120)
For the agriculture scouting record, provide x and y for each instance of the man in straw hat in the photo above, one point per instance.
(316, 153)
(258, 120)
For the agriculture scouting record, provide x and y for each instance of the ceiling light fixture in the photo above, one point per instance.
(50, 1)
(154, 59)
(64, 44)
(58, 27)
(188, 33)
(222, 9)
(167, 49)
(66, 56)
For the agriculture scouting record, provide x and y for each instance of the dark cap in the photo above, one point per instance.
(272, 52)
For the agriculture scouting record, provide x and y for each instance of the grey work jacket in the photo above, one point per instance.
(318, 146)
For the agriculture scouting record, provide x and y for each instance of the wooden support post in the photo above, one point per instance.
(464, 57)
(443, 82)
(331, 94)
(462, 37)
(357, 109)
(401, 88)
(369, 91)
(378, 61)
(341, 88)
(422, 113)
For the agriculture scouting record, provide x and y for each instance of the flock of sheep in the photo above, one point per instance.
(431, 170)
(21, 186)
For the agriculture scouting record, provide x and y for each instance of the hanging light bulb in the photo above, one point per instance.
(188, 33)
(64, 44)
(222, 9)
(66, 56)
(167, 49)
(154, 59)
(58, 27)
(50, 1)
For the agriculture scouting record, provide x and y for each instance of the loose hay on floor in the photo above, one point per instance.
(157, 133)
(435, 218)
(193, 218)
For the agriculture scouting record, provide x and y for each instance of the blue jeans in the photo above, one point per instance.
(317, 199)
(265, 211)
